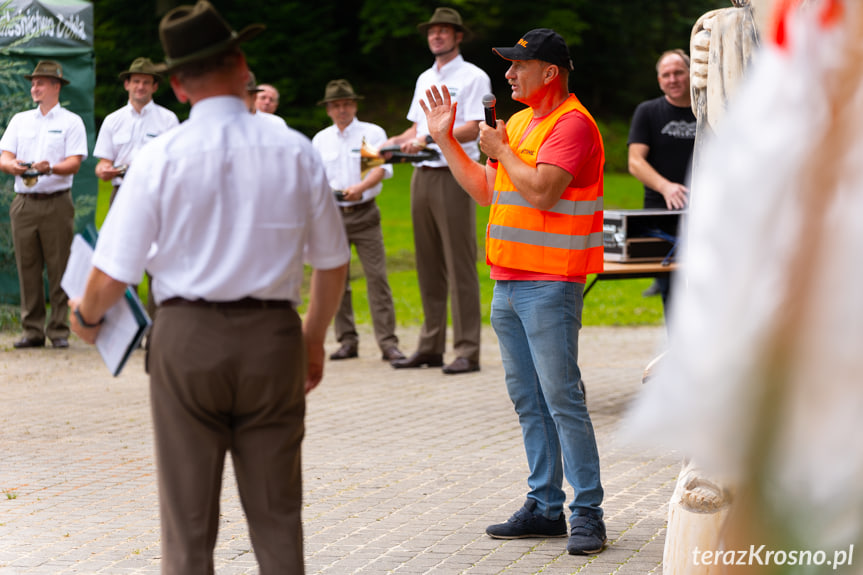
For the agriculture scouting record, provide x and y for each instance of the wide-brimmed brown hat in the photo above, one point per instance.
(48, 69)
(447, 16)
(339, 90)
(143, 66)
(252, 85)
(192, 33)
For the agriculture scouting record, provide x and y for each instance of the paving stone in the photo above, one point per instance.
(403, 470)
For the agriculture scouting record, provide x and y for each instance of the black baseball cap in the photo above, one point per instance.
(539, 44)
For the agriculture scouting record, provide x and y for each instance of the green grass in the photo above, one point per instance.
(10, 319)
(609, 302)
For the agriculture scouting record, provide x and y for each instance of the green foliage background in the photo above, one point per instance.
(375, 45)
(10, 71)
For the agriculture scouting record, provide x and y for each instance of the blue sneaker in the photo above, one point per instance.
(525, 523)
(587, 536)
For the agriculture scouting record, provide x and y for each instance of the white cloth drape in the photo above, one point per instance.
(766, 357)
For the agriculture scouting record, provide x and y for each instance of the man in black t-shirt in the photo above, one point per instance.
(662, 136)
(661, 139)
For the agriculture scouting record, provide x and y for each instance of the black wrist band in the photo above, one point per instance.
(83, 322)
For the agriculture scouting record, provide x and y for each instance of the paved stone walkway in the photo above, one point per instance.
(403, 470)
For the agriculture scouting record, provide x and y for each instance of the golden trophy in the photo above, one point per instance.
(371, 157)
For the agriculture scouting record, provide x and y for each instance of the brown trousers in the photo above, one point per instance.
(363, 229)
(228, 380)
(42, 231)
(444, 220)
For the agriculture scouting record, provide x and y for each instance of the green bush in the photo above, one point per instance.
(614, 135)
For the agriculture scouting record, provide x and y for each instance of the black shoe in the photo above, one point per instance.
(461, 365)
(59, 343)
(347, 351)
(652, 290)
(587, 536)
(391, 354)
(527, 524)
(25, 342)
(419, 360)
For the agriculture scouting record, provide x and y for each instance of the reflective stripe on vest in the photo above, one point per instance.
(545, 239)
(565, 207)
(564, 240)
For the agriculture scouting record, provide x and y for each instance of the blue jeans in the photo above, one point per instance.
(537, 326)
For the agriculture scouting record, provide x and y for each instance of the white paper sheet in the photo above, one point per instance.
(123, 328)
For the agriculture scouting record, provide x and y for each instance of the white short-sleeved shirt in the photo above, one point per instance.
(467, 85)
(126, 130)
(233, 204)
(340, 151)
(55, 136)
(278, 120)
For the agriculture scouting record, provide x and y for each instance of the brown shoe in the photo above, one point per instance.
(391, 354)
(461, 365)
(347, 351)
(419, 360)
(26, 342)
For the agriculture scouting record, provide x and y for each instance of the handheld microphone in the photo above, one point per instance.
(488, 102)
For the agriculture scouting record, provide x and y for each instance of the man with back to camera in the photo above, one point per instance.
(339, 146)
(444, 218)
(661, 140)
(236, 205)
(126, 130)
(544, 236)
(43, 148)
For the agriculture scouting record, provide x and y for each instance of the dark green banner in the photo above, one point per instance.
(33, 30)
(47, 23)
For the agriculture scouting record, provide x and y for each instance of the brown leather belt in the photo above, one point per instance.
(245, 303)
(434, 168)
(45, 195)
(357, 207)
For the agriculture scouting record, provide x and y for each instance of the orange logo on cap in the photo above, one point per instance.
(522, 43)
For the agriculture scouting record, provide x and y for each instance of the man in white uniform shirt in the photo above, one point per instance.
(126, 130)
(444, 216)
(43, 148)
(237, 206)
(339, 147)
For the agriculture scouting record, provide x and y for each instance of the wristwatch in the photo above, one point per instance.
(84, 322)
